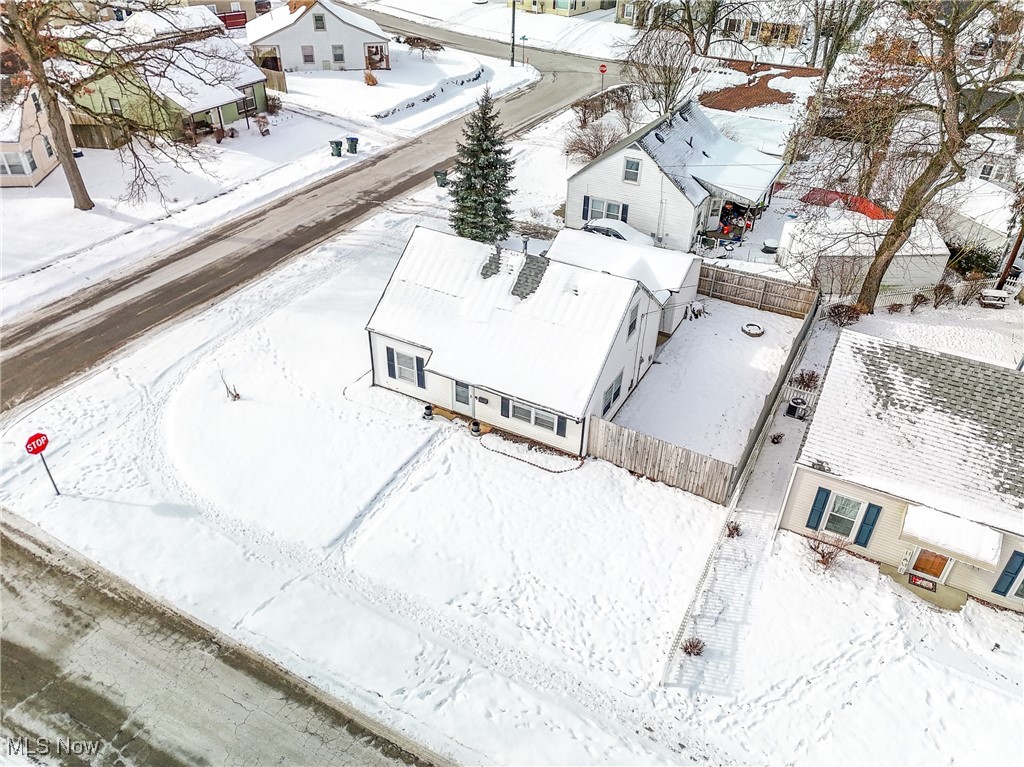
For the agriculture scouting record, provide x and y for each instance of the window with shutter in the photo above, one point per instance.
(1013, 570)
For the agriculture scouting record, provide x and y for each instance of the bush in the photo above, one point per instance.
(806, 379)
(369, 77)
(693, 646)
(591, 142)
(895, 308)
(273, 104)
(942, 295)
(919, 300)
(733, 530)
(777, 437)
(970, 289)
(964, 259)
(827, 549)
(588, 110)
(843, 315)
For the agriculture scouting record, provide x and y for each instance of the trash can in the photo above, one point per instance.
(352, 142)
(441, 177)
(797, 408)
(336, 147)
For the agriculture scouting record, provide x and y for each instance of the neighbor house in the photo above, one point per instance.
(767, 22)
(560, 7)
(671, 277)
(27, 153)
(229, 10)
(976, 212)
(523, 343)
(913, 460)
(835, 250)
(307, 35)
(676, 178)
(199, 80)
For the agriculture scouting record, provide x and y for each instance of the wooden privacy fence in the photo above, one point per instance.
(659, 460)
(276, 81)
(748, 289)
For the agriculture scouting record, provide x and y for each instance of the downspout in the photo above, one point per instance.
(785, 502)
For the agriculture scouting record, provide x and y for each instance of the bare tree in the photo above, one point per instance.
(425, 46)
(592, 141)
(661, 70)
(834, 26)
(828, 549)
(71, 54)
(696, 24)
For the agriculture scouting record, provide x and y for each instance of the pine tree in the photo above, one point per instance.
(483, 171)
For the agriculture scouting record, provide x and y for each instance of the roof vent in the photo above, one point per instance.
(705, 153)
(659, 137)
(684, 117)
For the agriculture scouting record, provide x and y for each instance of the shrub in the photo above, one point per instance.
(777, 437)
(965, 259)
(942, 295)
(588, 110)
(827, 549)
(919, 300)
(424, 46)
(590, 142)
(263, 124)
(970, 289)
(842, 315)
(806, 379)
(733, 530)
(693, 646)
(273, 104)
(895, 308)
(369, 78)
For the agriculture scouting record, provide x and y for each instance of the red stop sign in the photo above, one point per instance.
(37, 443)
(602, 69)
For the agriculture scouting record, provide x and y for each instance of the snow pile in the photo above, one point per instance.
(955, 534)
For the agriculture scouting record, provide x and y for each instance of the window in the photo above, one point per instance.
(716, 206)
(986, 172)
(462, 392)
(733, 26)
(13, 164)
(632, 173)
(47, 146)
(319, 22)
(338, 53)
(406, 367)
(522, 413)
(627, 11)
(634, 315)
(604, 209)
(115, 106)
(307, 54)
(611, 394)
(1019, 591)
(842, 515)
(36, 102)
(248, 104)
(236, 7)
(544, 420)
(527, 414)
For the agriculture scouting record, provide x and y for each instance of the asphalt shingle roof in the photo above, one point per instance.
(935, 429)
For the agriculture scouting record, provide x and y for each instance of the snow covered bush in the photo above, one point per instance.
(942, 295)
(273, 104)
(733, 529)
(590, 142)
(369, 78)
(806, 379)
(895, 308)
(693, 646)
(843, 315)
(970, 289)
(777, 437)
(827, 549)
(919, 300)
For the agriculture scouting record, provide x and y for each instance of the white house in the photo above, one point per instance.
(27, 152)
(523, 343)
(306, 35)
(976, 212)
(913, 457)
(835, 252)
(675, 179)
(671, 277)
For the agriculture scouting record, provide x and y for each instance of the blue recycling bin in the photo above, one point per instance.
(352, 143)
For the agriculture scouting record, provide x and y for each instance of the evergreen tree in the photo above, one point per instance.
(483, 171)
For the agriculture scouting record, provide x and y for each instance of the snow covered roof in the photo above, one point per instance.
(656, 269)
(280, 18)
(12, 117)
(967, 540)
(171, 21)
(202, 74)
(698, 158)
(935, 429)
(847, 233)
(524, 326)
(982, 201)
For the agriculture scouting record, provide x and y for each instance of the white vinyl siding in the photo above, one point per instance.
(291, 40)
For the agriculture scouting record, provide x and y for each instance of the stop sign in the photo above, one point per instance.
(602, 69)
(37, 443)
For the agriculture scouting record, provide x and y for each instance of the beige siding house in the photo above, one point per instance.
(518, 342)
(26, 141)
(914, 458)
(560, 7)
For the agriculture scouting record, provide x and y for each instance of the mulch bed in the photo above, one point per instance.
(757, 94)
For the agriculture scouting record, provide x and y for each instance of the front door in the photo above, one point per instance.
(463, 399)
(930, 564)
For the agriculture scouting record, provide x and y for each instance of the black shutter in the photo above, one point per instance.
(560, 428)
(420, 377)
(818, 509)
(867, 525)
(505, 406)
(625, 213)
(391, 363)
(586, 207)
(1009, 574)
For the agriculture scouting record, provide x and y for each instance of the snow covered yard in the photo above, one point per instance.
(711, 380)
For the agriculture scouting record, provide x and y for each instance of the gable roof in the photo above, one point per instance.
(936, 429)
(656, 269)
(524, 326)
(846, 233)
(265, 25)
(698, 158)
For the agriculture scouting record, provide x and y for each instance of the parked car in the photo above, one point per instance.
(610, 227)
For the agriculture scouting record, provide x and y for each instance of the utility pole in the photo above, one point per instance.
(1010, 259)
(512, 53)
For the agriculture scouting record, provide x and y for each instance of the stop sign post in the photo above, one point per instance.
(602, 69)
(35, 445)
